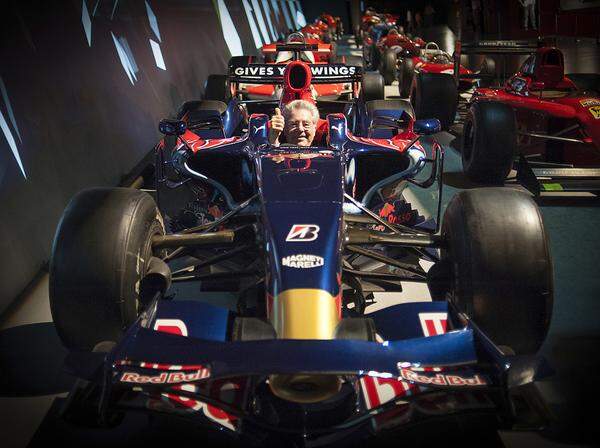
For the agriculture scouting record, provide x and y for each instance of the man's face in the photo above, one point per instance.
(300, 128)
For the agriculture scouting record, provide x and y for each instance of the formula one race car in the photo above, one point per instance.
(334, 26)
(382, 54)
(374, 25)
(239, 299)
(296, 47)
(540, 117)
(433, 60)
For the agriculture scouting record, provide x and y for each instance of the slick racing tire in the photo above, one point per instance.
(501, 269)
(217, 88)
(406, 74)
(100, 254)
(358, 38)
(434, 95)
(488, 143)
(366, 57)
(388, 66)
(375, 57)
(588, 82)
(373, 87)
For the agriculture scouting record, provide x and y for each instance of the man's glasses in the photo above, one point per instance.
(295, 125)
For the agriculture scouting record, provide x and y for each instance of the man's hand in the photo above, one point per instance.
(276, 127)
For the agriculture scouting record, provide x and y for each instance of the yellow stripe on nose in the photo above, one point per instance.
(305, 314)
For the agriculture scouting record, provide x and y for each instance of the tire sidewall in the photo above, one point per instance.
(100, 254)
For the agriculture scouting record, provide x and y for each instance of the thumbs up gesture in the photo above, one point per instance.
(276, 127)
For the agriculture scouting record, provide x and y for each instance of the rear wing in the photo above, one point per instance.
(490, 47)
(295, 47)
(273, 73)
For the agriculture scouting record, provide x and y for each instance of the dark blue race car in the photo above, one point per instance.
(239, 293)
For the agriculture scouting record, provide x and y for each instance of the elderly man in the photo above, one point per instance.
(298, 123)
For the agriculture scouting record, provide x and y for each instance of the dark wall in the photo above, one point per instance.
(340, 8)
(71, 117)
(557, 19)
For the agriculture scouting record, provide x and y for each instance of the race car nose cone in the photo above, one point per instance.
(303, 388)
(297, 76)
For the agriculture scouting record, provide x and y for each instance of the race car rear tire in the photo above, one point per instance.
(488, 143)
(434, 95)
(358, 38)
(406, 74)
(373, 87)
(375, 56)
(589, 82)
(217, 88)
(388, 66)
(501, 268)
(100, 254)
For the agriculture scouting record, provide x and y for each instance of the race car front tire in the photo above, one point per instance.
(100, 254)
(373, 87)
(375, 56)
(497, 252)
(489, 141)
(405, 77)
(388, 66)
(434, 95)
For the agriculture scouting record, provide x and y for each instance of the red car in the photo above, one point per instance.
(314, 52)
(433, 60)
(382, 55)
(544, 118)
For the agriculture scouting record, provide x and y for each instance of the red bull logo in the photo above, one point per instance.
(165, 377)
(442, 380)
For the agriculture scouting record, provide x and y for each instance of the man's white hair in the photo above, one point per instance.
(301, 104)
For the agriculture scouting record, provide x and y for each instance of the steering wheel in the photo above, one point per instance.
(433, 45)
(296, 37)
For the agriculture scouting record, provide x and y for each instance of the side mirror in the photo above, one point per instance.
(172, 127)
(428, 126)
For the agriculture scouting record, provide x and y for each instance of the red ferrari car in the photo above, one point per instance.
(382, 54)
(434, 60)
(549, 120)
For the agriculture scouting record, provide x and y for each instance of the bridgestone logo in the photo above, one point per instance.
(303, 261)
